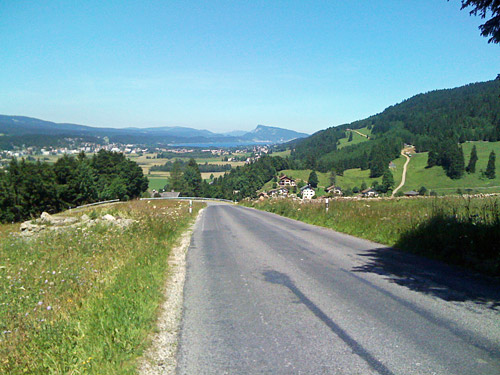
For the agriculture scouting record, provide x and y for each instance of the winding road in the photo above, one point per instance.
(268, 295)
(403, 176)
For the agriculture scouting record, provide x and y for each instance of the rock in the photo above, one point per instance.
(26, 226)
(46, 218)
(85, 218)
(69, 220)
(109, 217)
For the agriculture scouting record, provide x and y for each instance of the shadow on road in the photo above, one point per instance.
(432, 277)
(279, 278)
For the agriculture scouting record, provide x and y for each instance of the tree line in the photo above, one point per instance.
(169, 165)
(240, 182)
(29, 188)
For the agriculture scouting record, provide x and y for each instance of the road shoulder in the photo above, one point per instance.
(160, 358)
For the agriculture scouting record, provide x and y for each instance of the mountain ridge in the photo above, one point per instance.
(14, 125)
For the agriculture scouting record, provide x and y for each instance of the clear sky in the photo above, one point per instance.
(230, 65)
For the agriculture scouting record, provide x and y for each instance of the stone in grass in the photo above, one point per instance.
(109, 217)
(46, 218)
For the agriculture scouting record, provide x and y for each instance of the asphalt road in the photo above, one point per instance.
(269, 295)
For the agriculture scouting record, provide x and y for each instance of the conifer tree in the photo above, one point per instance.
(313, 179)
(350, 137)
(471, 167)
(387, 181)
(192, 179)
(490, 168)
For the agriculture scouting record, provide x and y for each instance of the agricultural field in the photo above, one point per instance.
(85, 299)
(283, 154)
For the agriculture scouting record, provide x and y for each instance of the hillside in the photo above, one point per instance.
(19, 130)
(467, 113)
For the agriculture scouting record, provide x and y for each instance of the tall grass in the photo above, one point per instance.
(84, 300)
(456, 230)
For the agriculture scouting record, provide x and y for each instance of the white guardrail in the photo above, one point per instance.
(96, 203)
(190, 198)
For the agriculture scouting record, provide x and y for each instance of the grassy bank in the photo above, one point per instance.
(459, 231)
(84, 300)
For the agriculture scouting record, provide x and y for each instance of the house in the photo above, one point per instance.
(286, 181)
(307, 192)
(281, 192)
(392, 165)
(368, 193)
(335, 190)
(411, 193)
(170, 194)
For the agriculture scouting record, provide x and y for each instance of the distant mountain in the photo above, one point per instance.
(272, 134)
(20, 126)
(177, 131)
(235, 133)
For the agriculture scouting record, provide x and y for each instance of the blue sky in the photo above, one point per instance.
(230, 65)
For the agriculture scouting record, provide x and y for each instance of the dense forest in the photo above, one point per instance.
(29, 188)
(429, 121)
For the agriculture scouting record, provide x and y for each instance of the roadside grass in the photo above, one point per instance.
(85, 300)
(456, 230)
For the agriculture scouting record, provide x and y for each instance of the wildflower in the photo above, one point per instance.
(49, 307)
(40, 303)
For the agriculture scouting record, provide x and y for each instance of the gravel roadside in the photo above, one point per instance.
(160, 358)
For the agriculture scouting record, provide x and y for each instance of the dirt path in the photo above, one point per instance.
(403, 177)
(361, 134)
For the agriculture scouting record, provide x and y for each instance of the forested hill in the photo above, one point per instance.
(470, 112)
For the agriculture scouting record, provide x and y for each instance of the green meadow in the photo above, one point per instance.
(85, 300)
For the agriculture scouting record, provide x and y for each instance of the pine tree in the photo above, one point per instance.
(432, 159)
(471, 167)
(192, 179)
(333, 177)
(350, 137)
(313, 179)
(176, 180)
(387, 181)
(490, 168)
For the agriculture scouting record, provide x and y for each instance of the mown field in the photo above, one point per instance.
(461, 231)
(433, 179)
(356, 138)
(85, 300)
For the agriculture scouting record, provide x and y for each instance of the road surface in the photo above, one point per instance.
(268, 295)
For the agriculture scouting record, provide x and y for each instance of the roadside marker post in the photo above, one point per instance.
(327, 203)
(190, 206)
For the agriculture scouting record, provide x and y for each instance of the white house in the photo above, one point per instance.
(368, 193)
(307, 192)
